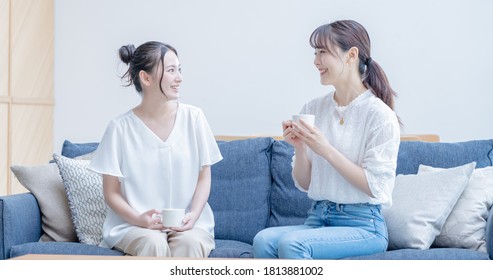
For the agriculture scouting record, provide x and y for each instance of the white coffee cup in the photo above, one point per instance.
(308, 119)
(172, 217)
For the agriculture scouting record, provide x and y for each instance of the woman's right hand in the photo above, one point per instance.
(150, 220)
(289, 134)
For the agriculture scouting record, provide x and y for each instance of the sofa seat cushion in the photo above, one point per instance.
(61, 248)
(289, 205)
(443, 155)
(240, 187)
(430, 254)
(231, 249)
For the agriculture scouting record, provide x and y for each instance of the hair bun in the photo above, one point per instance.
(126, 53)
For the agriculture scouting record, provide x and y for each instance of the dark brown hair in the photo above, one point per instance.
(347, 34)
(145, 57)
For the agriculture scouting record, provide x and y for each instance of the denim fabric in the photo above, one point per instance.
(20, 221)
(331, 231)
(61, 248)
(72, 150)
(231, 249)
(443, 155)
(240, 189)
(289, 206)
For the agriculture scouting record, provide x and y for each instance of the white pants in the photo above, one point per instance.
(193, 243)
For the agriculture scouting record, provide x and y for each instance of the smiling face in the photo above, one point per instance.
(331, 66)
(171, 75)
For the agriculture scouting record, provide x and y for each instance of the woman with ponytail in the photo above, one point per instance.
(157, 155)
(347, 161)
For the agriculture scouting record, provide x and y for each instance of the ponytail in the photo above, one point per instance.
(375, 79)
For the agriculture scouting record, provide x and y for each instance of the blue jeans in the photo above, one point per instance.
(331, 231)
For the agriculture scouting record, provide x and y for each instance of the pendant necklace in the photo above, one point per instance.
(341, 112)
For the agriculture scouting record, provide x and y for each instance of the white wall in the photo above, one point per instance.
(248, 64)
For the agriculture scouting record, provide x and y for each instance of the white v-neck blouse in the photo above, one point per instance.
(369, 137)
(154, 173)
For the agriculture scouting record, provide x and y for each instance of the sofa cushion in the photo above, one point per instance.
(61, 248)
(240, 189)
(443, 155)
(84, 190)
(421, 205)
(465, 227)
(289, 205)
(430, 254)
(231, 249)
(72, 150)
(45, 183)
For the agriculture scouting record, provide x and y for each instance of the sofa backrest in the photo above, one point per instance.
(289, 205)
(443, 155)
(240, 188)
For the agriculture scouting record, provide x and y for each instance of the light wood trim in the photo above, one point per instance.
(232, 137)
(420, 137)
(5, 99)
(405, 137)
(102, 257)
(32, 101)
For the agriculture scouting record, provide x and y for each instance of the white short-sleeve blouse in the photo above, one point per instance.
(369, 137)
(154, 173)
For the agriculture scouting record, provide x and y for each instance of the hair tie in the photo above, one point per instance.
(368, 61)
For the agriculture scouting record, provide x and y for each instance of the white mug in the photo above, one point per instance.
(308, 119)
(172, 217)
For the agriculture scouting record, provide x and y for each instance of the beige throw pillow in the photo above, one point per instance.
(45, 183)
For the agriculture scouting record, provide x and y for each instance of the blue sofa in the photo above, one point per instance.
(252, 189)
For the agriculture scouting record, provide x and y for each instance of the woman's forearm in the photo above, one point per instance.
(302, 168)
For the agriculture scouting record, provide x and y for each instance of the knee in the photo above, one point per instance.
(259, 238)
(153, 245)
(192, 246)
(263, 245)
(289, 247)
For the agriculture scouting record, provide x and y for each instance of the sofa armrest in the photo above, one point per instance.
(20, 221)
(489, 234)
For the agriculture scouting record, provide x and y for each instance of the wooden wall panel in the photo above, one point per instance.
(4, 166)
(32, 51)
(4, 50)
(32, 139)
(26, 86)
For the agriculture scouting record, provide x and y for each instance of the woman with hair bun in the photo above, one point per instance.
(347, 161)
(156, 156)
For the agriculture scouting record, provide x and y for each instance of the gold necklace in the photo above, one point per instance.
(341, 114)
(342, 110)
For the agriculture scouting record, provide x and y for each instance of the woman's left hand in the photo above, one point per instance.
(312, 137)
(188, 222)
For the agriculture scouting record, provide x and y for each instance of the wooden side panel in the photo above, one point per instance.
(4, 49)
(32, 51)
(32, 137)
(4, 165)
